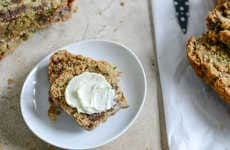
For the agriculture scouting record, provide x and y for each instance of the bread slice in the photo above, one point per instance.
(211, 62)
(19, 19)
(63, 67)
(218, 23)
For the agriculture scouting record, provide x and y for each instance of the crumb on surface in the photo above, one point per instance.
(99, 13)
(115, 29)
(122, 3)
(11, 81)
(76, 9)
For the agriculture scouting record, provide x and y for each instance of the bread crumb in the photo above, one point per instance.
(115, 29)
(52, 113)
(75, 10)
(99, 13)
(11, 81)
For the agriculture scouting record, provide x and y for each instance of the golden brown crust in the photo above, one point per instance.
(63, 67)
(211, 63)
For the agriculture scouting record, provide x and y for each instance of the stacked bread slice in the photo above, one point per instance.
(63, 67)
(209, 54)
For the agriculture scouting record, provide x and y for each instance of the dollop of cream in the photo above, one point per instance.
(90, 93)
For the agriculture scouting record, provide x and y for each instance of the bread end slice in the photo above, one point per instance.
(211, 62)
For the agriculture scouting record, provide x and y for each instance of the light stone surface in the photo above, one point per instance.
(96, 19)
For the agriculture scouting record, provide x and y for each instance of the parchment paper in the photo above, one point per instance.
(196, 119)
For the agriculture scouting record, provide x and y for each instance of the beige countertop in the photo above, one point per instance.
(126, 21)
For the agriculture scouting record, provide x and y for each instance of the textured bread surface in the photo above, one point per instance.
(63, 67)
(211, 62)
(19, 19)
(218, 23)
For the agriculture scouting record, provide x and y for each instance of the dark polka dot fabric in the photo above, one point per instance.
(182, 13)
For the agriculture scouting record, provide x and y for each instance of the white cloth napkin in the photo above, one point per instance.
(195, 117)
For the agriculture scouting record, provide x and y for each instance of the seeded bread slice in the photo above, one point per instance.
(68, 66)
(218, 23)
(20, 19)
(211, 62)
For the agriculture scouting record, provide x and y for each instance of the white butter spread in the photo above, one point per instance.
(90, 93)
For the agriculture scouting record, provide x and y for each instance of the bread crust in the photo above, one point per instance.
(211, 62)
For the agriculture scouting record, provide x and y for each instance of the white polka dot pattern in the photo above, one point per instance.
(182, 13)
